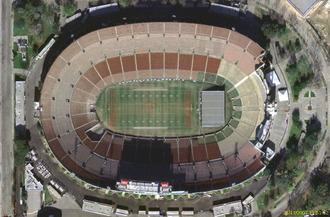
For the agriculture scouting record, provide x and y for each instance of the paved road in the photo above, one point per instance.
(7, 108)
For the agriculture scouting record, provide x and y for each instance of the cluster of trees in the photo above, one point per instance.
(274, 26)
(318, 194)
(286, 169)
(36, 19)
(300, 75)
(21, 149)
(29, 11)
(271, 27)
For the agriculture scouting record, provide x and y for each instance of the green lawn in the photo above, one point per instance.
(312, 94)
(159, 108)
(18, 62)
(48, 197)
(263, 201)
(247, 182)
(295, 131)
(306, 94)
(237, 187)
(225, 191)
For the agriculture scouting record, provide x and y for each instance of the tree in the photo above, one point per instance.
(29, 12)
(271, 27)
(69, 9)
(292, 161)
(56, 8)
(311, 140)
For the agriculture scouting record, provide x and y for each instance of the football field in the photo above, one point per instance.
(155, 108)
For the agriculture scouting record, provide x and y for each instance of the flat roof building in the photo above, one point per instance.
(98, 208)
(31, 183)
(303, 7)
(228, 208)
(213, 108)
(20, 103)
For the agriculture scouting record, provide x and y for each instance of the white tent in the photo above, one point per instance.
(273, 79)
(283, 95)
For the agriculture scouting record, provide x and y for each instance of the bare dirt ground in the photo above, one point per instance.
(321, 22)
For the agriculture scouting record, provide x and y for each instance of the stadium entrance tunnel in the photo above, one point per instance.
(162, 108)
(130, 98)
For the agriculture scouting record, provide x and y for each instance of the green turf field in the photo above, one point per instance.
(154, 108)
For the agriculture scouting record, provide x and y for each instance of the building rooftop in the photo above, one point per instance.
(213, 108)
(20, 98)
(95, 207)
(303, 7)
(31, 183)
(227, 208)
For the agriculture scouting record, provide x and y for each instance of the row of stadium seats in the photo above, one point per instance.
(105, 156)
(92, 49)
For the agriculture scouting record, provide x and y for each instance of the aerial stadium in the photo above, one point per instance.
(173, 103)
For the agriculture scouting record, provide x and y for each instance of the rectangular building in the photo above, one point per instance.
(213, 108)
(228, 208)
(20, 103)
(303, 7)
(98, 208)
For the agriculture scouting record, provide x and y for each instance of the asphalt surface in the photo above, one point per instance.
(7, 108)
